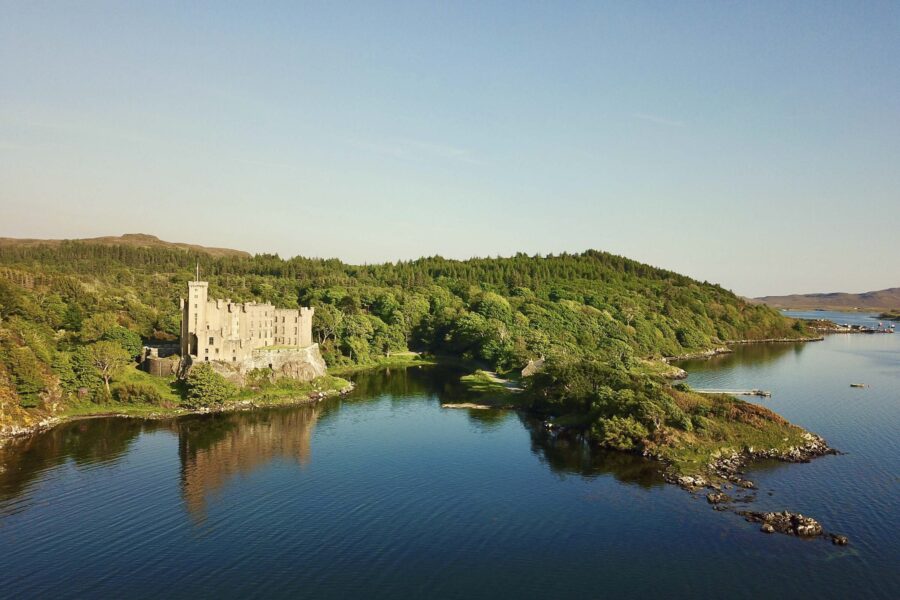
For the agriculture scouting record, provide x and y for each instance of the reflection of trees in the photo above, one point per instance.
(570, 454)
(754, 355)
(409, 382)
(86, 442)
(215, 448)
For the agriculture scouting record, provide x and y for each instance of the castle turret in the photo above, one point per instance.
(193, 323)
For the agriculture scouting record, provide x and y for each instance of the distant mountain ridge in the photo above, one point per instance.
(883, 300)
(138, 240)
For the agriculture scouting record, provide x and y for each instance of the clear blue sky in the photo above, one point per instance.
(752, 144)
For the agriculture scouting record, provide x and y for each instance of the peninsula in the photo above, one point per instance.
(77, 316)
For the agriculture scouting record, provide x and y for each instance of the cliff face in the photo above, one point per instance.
(15, 420)
(302, 364)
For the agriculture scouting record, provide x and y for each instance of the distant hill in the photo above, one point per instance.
(136, 240)
(882, 300)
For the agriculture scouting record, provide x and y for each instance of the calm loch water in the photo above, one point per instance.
(386, 494)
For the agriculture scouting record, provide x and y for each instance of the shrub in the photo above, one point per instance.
(205, 387)
(138, 393)
(126, 338)
(619, 433)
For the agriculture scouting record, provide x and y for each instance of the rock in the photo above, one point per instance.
(717, 498)
(766, 528)
(838, 540)
(786, 522)
(747, 485)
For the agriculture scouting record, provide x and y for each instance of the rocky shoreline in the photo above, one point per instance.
(777, 340)
(727, 472)
(50, 421)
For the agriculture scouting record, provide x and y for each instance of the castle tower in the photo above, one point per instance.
(193, 319)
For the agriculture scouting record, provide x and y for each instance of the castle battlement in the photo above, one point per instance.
(224, 331)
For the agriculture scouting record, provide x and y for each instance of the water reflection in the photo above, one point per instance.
(88, 443)
(566, 455)
(751, 355)
(572, 455)
(216, 448)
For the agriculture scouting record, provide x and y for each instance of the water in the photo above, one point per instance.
(870, 320)
(386, 494)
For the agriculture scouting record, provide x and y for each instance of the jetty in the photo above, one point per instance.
(761, 393)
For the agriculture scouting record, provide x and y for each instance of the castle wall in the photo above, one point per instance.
(230, 332)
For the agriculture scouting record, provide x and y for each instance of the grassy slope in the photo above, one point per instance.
(271, 395)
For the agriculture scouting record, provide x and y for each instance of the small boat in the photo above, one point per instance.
(859, 385)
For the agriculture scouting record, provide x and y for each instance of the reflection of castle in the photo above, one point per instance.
(215, 450)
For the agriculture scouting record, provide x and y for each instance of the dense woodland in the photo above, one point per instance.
(591, 315)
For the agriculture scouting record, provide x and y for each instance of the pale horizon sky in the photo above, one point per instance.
(752, 145)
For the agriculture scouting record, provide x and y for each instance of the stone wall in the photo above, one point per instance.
(302, 364)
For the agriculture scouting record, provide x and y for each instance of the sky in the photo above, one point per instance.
(756, 145)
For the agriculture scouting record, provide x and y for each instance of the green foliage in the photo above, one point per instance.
(593, 306)
(138, 393)
(619, 433)
(107, 359)
(98, 326)
(28, 375)
(206, 387)
(127, 339)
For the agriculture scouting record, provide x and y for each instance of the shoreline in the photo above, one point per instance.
(161, 414)
(720, 475)
(726, 350)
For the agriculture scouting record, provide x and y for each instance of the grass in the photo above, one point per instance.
(656, 368)
(733, 426)
(285, 391)
(278, 393)
(493, 391)
(483, 382)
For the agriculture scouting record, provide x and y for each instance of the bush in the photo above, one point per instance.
(619, 433)
(205, 387)
(138, 393)
(126, 338)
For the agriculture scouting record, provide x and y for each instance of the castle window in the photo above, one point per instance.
(234, 359)
(217, 350)
(211, 340)
(206, 358)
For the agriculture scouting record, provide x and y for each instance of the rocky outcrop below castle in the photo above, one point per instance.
(300, 364)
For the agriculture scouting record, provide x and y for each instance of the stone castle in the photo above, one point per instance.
(239, 337)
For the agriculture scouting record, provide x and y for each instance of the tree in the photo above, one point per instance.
(205, 386)
(108, 358)
(129, 340)
(97, 326)
(327, 322)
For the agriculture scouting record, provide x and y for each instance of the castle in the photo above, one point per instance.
(244, 336)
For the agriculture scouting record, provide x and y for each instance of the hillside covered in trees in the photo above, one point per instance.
(594, 316)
